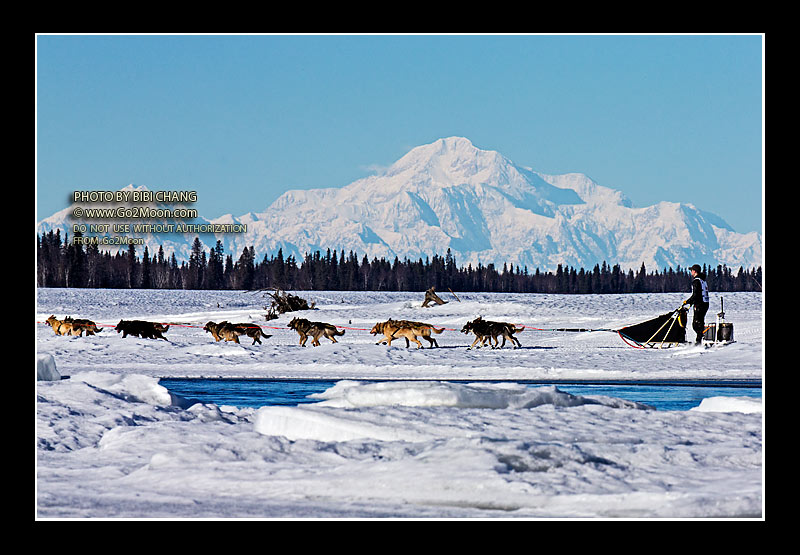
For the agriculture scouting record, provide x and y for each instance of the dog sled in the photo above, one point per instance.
(667, 330)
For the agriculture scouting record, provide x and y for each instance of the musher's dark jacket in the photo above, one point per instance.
(697, 292)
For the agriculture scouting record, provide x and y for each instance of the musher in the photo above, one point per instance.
(699, 300)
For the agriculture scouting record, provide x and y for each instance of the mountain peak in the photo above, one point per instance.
(449, 147)
(447, 161)
(454, 143)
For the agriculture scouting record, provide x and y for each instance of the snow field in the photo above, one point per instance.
(113, 443)
(191, 352)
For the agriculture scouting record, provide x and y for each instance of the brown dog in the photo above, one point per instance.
(63, 327)
(222, 331)
(316, 330)
(479, 331)
(231, 332)
(83, 325)
(213, 328)
(392, 329)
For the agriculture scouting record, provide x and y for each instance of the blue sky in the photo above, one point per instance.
(241, 119)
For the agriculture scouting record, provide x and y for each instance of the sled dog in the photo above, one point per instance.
(63, 327)
(392, 329)
(231, 332)
(315, 330)
(140, 328)
(487, 329)
(83, 325)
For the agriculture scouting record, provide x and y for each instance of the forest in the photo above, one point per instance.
(60, 263)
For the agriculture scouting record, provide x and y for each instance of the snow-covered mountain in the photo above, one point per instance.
(485, 209)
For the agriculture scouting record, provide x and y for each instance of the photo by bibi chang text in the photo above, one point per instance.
(135, 196)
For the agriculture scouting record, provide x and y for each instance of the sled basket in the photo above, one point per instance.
(665, 330)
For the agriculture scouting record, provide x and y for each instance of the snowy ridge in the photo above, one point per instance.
(452, 195)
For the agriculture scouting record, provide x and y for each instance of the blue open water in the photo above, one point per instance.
(674, 395)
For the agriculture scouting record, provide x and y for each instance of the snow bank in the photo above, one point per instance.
(312, 421)
(114, 445)
(298, 423)
(729, 404)
(46, 368)
(352, 394)
(133, 388)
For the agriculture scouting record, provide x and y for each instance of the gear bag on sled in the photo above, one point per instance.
(665, 330)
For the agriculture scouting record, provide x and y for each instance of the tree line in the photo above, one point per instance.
(63, 264)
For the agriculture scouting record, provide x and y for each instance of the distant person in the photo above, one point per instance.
(699, 300)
